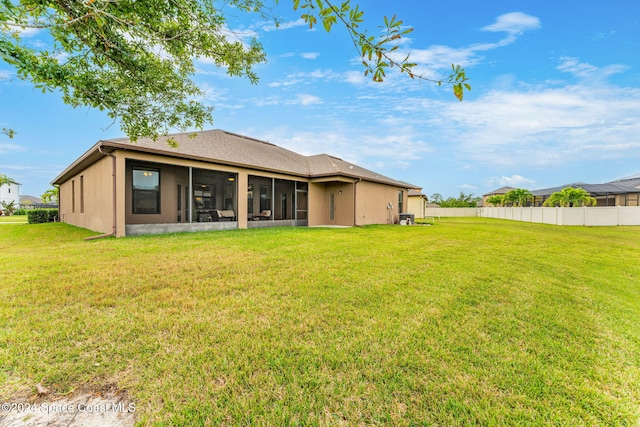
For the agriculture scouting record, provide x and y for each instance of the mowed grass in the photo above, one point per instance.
(13, 218)
(469, 321)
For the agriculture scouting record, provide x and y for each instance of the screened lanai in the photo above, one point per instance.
(273, 201)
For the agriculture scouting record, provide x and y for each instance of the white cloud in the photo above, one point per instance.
(515, 181)
(525, 126)
(323, 74)
(310, 55)
(10, 148)
(266, 101)
(305, 99)
(547, 127)
(214, 94)
(585, 70)
(432, 60)
(514, 23)
(289, 80)
(438, 57)
(380, 149)
(354, 77)
(306, 78)
(24, 31)
(270, 26)
(303, 55)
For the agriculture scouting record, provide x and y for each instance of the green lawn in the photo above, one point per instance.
(469, 321)
(13, 218)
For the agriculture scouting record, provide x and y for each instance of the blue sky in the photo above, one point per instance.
(555, 98)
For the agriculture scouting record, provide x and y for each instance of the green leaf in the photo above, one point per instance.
(328, 22)
(9, 132)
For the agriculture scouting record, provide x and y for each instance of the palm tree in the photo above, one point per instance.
(4, 179)
(570, 196)
(518, 196)
(495, 200)
(51, 196)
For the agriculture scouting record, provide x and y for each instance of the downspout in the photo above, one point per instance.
(113, 177)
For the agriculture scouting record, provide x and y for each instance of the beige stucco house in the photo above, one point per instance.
(499, 192)
(215, 180)
(417, 203)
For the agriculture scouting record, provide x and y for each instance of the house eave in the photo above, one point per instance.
(91, 156)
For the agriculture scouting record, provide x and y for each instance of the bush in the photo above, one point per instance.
(39, 216)
(21, 211)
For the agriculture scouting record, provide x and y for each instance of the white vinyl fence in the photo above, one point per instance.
(438, 212)
(589, 216)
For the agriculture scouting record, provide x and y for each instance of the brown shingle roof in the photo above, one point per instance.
(501, 190)
(223, 147)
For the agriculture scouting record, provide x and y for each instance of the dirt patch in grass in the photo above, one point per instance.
(105, 408)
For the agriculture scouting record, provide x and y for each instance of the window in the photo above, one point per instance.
(73, 196)
(146, 191)
(332, 206)
(400, 199)
(81, 193)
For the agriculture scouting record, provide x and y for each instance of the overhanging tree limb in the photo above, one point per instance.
(135, 59)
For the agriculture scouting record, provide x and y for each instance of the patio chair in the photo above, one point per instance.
(266, 214)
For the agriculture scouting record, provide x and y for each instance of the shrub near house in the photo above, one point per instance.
(8, 208)
(39, 216)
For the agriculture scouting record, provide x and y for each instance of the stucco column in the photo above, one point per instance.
(120, 194)
(243, 184)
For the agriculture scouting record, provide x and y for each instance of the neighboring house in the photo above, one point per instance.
(615, 193)
(621, 192)
(630, 181)
(219, 180)
(499, 192)
(10, 193)
(30, 200)
(417, 204)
